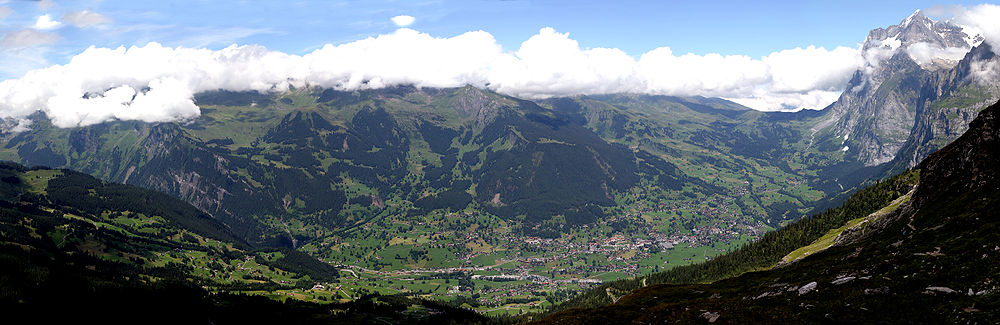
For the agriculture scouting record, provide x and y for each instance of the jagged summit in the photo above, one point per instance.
(922, 82)
(932, 44)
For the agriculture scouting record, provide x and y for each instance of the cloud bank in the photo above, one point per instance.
(157, 83)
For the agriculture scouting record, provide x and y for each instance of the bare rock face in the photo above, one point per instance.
(477, 104)
(922, 83)
(959, 94)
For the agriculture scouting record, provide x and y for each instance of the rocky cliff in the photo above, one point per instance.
(921, 84)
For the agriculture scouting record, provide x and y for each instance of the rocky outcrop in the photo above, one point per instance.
(475, 103)
(967, 164)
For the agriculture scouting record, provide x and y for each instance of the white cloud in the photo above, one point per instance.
(552, 64)
(27, 38)
(45, 22)
(5, 11)
(403, 20)
(810, 78)
(85, 18)
(801, 70)
(403, 57)
(925, 53)
(156, 83)
(713, 75)
(813, 99)
(985, 73)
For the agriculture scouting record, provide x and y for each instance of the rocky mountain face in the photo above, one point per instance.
(955, 97)
(929, 259)
(966, 166)
(923, 81)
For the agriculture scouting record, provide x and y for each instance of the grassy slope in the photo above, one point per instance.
(831, 236)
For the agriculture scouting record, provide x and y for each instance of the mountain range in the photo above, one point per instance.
(476, 191)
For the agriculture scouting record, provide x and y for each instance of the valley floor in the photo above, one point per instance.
(478, 262)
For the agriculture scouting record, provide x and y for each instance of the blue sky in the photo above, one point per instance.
(297, 27)
(88, 61)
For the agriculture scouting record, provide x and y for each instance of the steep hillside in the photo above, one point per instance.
(114, 253)
(930, 259)
(76, 219)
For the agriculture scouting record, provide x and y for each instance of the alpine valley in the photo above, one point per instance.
(404, 204)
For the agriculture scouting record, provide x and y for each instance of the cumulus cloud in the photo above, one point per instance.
(709, 75)
(27, 38)
(45, 22)
(157, 83)
(813, 68)
(85, 18)
(403, 20)
(550, 64)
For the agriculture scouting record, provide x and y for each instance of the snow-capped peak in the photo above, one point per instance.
(931, 44)
(917, 17)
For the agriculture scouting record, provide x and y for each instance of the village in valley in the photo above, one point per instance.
(483, 264)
